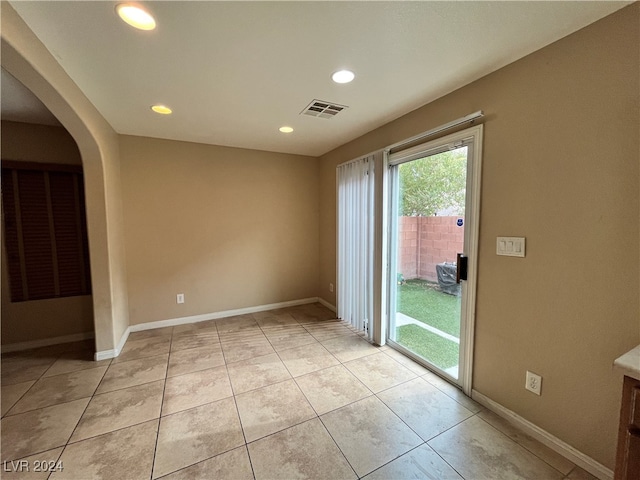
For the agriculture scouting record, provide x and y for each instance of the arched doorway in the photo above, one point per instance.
(26, 59)
(46, 284)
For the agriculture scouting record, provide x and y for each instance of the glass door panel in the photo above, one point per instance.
(427, 229)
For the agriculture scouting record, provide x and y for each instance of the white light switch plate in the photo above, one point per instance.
(510, 246)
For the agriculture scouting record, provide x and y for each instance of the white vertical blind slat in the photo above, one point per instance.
(355, 243)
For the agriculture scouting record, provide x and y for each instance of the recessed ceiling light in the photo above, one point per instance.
(161, 109)
(136, 16)
(286, 129)
(343, 76)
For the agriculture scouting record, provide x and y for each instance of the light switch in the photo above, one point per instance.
(510, 246)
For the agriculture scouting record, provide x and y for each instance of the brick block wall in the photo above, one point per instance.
(423, 242)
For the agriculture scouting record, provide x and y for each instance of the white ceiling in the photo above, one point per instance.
(234, 72)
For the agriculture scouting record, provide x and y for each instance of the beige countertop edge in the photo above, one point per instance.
(629, 363)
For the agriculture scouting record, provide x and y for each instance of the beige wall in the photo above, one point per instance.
(229, 228)
(38, 143)
(56, 317)
(560, 167)
(29, 61)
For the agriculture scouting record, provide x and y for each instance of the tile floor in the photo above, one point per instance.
(284, 394)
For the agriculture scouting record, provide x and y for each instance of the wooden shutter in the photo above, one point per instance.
(45, 231)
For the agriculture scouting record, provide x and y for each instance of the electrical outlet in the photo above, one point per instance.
(331, 287)
(180, 298)
(534, 383)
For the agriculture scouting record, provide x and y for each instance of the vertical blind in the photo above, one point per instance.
(355, 243)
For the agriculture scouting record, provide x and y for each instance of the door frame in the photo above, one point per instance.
(471, 238)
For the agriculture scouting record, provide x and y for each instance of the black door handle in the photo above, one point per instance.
(461, 267)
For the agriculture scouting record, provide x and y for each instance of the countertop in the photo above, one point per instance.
(629, 363)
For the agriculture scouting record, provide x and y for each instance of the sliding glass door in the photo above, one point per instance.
(432, 230)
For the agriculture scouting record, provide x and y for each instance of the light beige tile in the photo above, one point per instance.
(145, 347)
(34, 467)
(119, 409)
(270, 409)
(196, 327)
(325, 312)
(206, 325)
(134, 372)
(20, 368)
(405, 361)
(327, 330)
(74, 361)
(188, 437)
(349, 347)
(331, 388)
(232, 465)
(579, 474)
(257, 372)
(246, 347)
(421, 463)
(59, 389)
(40, 430)
(543, 452)
(424, 408)
(195, 389)
(10, 394)
(275, 311)
(240, 335)
(307, 359)
(369, 434)
(269, 319)
(453, 391)
(154, 332)
(195, 359)
(194, 339)
(312, 313)
(379, 372)
(236, 324)
(282, 338)
(477, 450)
(305, 451)
(126, 454)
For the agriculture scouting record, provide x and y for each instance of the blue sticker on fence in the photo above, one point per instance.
(460, 222)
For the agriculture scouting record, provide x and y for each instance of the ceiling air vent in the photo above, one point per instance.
(322, 109)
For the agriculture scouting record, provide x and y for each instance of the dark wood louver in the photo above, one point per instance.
(45, 231)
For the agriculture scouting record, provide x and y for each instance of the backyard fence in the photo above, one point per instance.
(423, 242)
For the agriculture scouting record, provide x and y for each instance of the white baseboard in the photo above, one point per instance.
(107, 354)
(45, 342)
(173, 322)
(327, 304)
(554, 443)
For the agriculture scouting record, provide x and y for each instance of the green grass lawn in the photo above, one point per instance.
(441, 352)
(424, 302)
